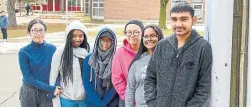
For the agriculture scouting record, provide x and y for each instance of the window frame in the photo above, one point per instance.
(98, 7)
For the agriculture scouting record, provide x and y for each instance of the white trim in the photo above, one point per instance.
(249, 62)
(87, 13)
(98, 17)
(66, 6)
(81, 5)
(54, 5)
(221, 69)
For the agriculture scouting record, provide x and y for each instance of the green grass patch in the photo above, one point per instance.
(167, 32)
(21, 30)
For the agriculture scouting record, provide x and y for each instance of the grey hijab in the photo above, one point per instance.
(101, 61)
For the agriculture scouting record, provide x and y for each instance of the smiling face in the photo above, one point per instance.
(150, 38)
(182, 23)
(133, 33)
(105, 42)
(37, 33)
(77, 38)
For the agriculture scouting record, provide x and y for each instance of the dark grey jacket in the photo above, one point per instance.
(179, 77)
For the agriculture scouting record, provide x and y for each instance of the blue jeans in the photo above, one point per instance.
(72, 103)
(4, 32)
(33, 97)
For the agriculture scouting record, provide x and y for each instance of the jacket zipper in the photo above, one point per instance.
(177, 67)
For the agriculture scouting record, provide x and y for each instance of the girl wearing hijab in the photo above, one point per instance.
(67, 67)
(97, 71)
(151, 35)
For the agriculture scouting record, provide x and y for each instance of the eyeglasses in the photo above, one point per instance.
(105, 41)
(35, 31)
(150, 36)
(129, 33)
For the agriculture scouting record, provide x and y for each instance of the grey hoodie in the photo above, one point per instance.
(74, 90)
(179, 78)
(135, 82)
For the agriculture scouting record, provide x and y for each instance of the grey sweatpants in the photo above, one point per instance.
(121, 103)
(33, 97)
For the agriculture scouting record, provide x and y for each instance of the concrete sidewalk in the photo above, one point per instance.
(10, 80)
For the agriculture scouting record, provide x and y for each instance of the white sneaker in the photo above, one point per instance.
(5, 40)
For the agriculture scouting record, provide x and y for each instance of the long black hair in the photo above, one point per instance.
(142, 47)
(67, 57)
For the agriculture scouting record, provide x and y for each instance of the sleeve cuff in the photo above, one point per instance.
(52, 89)
(151, 103)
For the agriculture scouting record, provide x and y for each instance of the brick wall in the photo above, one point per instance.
(134, 9)
(131, 9)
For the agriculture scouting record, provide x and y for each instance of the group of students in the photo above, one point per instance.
(146, 71)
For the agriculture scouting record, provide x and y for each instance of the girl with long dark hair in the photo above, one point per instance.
(67, 67)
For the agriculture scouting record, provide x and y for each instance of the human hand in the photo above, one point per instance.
(57, 91)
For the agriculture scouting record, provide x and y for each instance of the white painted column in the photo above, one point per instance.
(66, 12)
(208, 20)
(53, 5)
(81, 8)
(221, 35)
(207, 32)
(66, 5)
(249, 62)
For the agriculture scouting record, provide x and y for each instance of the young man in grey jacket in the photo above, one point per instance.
(179, 72)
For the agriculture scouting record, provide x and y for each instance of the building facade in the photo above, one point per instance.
(54, 5)
(135, 9)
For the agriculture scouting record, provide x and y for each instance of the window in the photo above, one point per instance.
(78, 2)
(198, 9)
(198, 1)
(87, 7)
(98, 9)
(176, 1)
(16, 6)
(197, 6)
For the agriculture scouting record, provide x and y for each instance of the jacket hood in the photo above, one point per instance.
(127, 46)
(108, 32)
(75, 25)
(194, 36)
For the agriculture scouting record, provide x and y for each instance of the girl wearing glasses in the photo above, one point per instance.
(67, 67)
(97, 71)
(35, 64)
(152, 34)
(124, 56)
